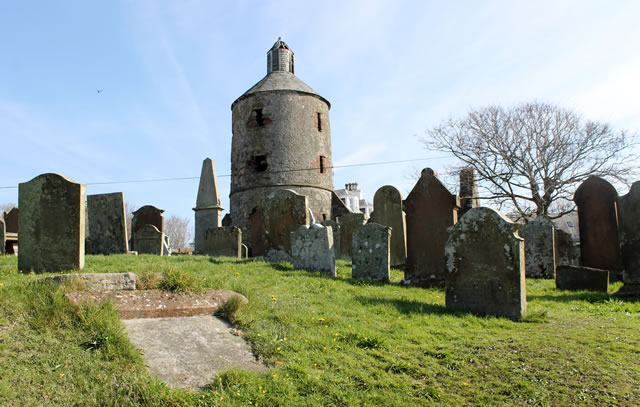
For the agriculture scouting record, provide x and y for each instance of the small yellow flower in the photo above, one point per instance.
(465, 383)
(320, 319)
(221, 398)
(1, 284)
(238, 393)
(274, 376)
(61, 374)
(264, 392)
(278, 348)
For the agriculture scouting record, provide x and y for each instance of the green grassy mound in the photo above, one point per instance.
(328, 342)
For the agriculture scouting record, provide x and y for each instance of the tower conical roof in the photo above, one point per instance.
(280, 74)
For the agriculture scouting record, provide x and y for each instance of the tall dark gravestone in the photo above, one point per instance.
(11, 220)
(348, 222)
(107, 223)
(285, 211)
(629, 227)
(51, 223)
(430, 209)
(598, 220)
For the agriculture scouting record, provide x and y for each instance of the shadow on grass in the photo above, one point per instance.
(567, 296)
(408, 307)
(228, 260)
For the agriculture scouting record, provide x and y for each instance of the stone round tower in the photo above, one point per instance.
(281, 140)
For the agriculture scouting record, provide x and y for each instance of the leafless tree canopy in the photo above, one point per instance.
(533, 155)
(178, 230)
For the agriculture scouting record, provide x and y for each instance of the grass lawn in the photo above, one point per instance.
(328, 341)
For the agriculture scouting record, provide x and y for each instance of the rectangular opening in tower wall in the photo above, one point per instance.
(259, 117)
(319, 121)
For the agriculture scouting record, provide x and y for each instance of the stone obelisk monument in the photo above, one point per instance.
(208, 210)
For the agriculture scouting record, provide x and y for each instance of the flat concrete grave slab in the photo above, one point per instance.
(131, 304)
(187, 351)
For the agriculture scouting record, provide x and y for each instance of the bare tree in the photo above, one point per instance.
(530, 157)
(129, 208)
(177, 228)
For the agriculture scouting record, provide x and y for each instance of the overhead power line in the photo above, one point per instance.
(265, 172)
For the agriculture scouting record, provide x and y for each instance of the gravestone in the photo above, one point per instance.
(51, 224)
(11, 220)
(581, 278)
(371, 258)
(149, 240)
(485, 265)
(598, 222)
(387, 202)
(223, 241)
(147, 215)
(285, 211)
(208, 210)
(539, 248)
(312, 249)
(107, 223)
(565, 249)
(430, 209)
(349, 223)
(3, 238)
(335, 228)
(468, 191)
(629, 227)
(256, 220)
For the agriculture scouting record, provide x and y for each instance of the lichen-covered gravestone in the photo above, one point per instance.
(485, 266)
(312, 249)
(208, 210)
(539, 248)
(629, 211)
(335, 227)
(387, 202)
(598, 220)
(430, 209)
(51, 223)
(349, 223)
(107, 223)
(148, 240)
(370, 255)
(284, 212)
(223, 241)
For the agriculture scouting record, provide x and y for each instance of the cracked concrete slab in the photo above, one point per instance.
(187, 352)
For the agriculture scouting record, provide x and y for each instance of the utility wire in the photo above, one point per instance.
(265, 172)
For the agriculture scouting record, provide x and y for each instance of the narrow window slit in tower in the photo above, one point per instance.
(259, 118)
(323, 164)
(319, 121)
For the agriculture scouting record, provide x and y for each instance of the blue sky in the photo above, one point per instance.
(169, 71)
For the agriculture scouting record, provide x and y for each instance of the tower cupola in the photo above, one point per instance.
(280, 58)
